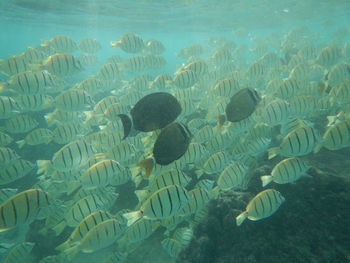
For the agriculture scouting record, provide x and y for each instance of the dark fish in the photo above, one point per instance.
(242, 104)
(171, 144)
(126, 124)
(155, 111)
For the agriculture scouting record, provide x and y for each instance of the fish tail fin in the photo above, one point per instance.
(317, 148)
(241, 217)
(266, 179)
(115, 43)
(49, 118)
(215, 192)
(3, 86)
(21, 143)
(199, 173)
(43, 166)
(141, 194)
(47, 139)
(148, 165)
(58, 229)
(71, 253)
(221, 120)
(272, 152)
(132, 217)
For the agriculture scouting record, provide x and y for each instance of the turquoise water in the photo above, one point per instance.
(311, 225)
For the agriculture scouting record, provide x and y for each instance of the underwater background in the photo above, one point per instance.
(312, 224)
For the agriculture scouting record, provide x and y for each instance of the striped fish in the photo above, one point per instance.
(204, 134)
(183, 235)
(89, 45)
(20, 124)
(172, 246)
(124, 153)
(298, 142)
(68, 132)
(276, 112)
(164, 203)
(19, 253)
(106, 172)
(199, 198)
(35, 102)
(109, 71)
(33, 82)
(233, 176)
(70, 157)
(8, 107)
(129, 43)
(184, 79)
(5, 139)
(91, 85)
(263, 205)
(139, 231)
(22, 208)
(84, 227)
(286, 171)
(160, 82)
(16, 170)
(87, 205)
(226, 87)
(61, 43)
(167, 178)
(216, 162)
(14, 65)
(336, 136)
(36, 137)
(62, 65)
(195, 153)
(74, 100)
(7, 155)
(199, 67)
(329, 56)
(100, 236)
(6, 193)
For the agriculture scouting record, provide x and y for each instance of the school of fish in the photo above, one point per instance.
(181, 139)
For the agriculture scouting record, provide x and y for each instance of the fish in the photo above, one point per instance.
(87, 205)
(160, 82)
(286, 171)
(89, 45)
(6, 193)
(337, 136)
(232, 177)
(71, 156)
(242, 104)
(154, 47)
(298, 142)
(33, 82)
(164, 203)
(100, 236)
(14, 65)
(215, 163)
(226, 87)
(22, 208)
(7, 156)
(172, 246)
(19, 253)
(263, 205)
(199, 198)
(83, 228)
(91, 85)
(68, 132)
(329, 56)
(276, 112)
(140, 230)
(74, 100)
(170, 177)
(184, 235)
(105, 172)
(20, 123)
(61, 43)
(109, 72)
(5, 139)
(170, 145)
(16, 170)
(8, 107)
(184, 79)
(153, 112)
(35, 102)
(129, 43)
(62, 65)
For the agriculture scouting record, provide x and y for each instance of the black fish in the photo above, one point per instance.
(171, 144)
(153, 112)
(241, 106)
